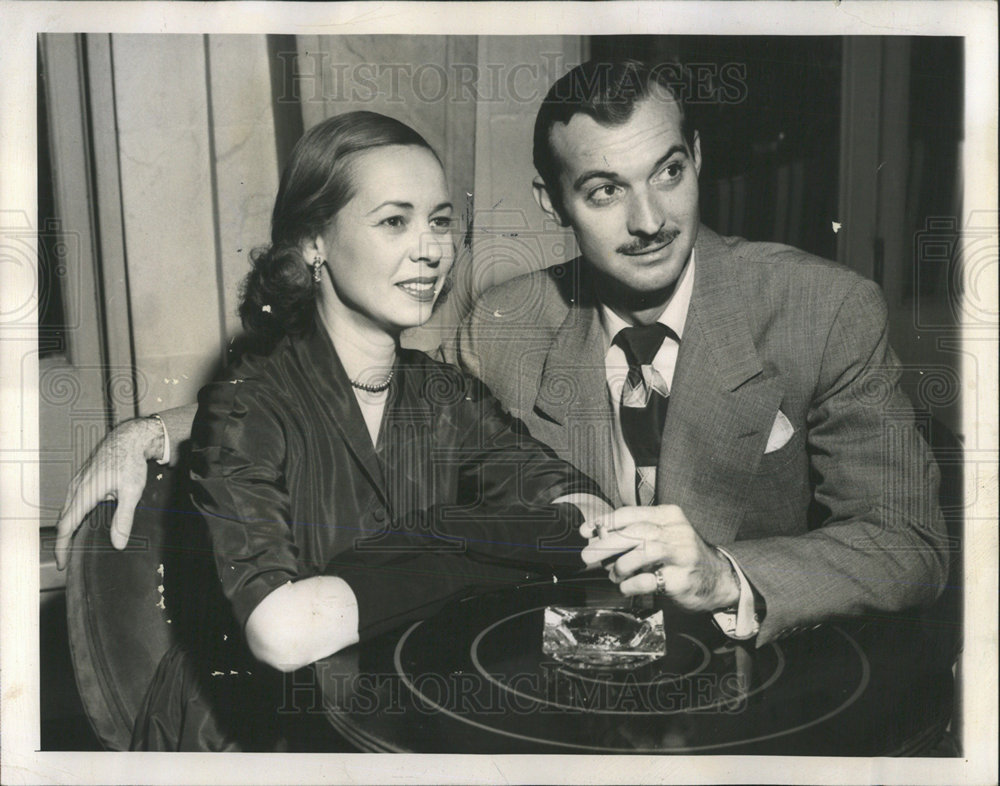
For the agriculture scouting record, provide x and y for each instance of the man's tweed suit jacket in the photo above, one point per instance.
(841, 519)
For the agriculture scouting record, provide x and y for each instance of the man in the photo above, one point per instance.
(738, 400)
(786, 442)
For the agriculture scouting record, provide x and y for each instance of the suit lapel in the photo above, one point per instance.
(334, 391)
(573, 392)
(722, 403)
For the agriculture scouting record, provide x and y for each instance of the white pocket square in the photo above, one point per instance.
(781, 432)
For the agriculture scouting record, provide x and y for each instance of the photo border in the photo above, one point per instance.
(19, 582)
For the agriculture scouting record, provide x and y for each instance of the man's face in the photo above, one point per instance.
(630, 192)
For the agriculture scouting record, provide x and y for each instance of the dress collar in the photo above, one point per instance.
(323, 367)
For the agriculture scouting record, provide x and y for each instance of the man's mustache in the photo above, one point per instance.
(639, 245)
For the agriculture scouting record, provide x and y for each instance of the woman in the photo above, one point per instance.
(347, 483)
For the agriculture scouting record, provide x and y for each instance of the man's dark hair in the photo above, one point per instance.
(607, 91)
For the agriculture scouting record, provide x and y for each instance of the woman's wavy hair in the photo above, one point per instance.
(278, 297)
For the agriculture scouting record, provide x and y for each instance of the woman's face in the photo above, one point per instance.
(389, 249)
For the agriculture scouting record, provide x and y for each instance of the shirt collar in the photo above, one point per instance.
(674, 315)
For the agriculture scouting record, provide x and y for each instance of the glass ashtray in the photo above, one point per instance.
(602, 638)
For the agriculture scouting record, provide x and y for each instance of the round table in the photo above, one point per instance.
(473, 679)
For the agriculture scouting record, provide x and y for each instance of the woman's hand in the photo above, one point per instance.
(115, 470)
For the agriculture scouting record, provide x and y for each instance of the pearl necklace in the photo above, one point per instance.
(381, 386)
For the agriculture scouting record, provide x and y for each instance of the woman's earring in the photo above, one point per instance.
(317, 269)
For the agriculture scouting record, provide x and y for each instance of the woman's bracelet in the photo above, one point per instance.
(165, 458)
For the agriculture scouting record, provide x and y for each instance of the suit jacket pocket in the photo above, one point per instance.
(779, 495)
(771, 463)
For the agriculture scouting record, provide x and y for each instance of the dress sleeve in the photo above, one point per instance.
(237, 473)
(504, 528)
(504, 509)
(508, 482)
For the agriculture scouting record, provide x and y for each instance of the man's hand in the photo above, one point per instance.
(116, 470)
(695, 575)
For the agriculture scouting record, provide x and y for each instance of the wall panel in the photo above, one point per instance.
(513, 236)
(198, 175)
(72, 409)
(168, 213)
(244, 159)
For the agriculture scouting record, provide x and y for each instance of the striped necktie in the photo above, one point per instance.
(644, 402)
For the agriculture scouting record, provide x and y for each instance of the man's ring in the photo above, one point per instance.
(661, 582)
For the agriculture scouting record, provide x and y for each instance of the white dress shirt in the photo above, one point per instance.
(740, 623)
(616, 369)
